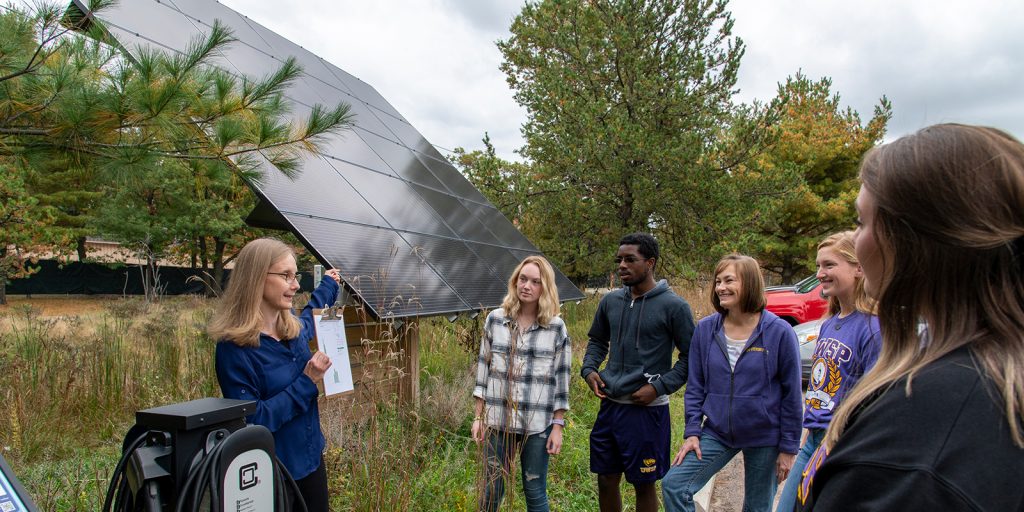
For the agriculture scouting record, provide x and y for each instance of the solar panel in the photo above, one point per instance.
(410, 234)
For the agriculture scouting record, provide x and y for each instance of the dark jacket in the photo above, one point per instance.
(758, 404)
(945, 446)
(637, 336)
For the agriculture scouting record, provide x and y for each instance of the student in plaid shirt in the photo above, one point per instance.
(522, 385)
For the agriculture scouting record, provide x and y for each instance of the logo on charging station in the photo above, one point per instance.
(249, 483)
(247, 476)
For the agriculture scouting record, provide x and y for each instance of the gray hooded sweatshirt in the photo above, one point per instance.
(637, 337)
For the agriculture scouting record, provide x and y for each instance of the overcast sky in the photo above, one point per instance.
(436, 61)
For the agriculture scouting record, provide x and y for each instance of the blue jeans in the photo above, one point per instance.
(684, 480)
(500, 450)
(788, 497)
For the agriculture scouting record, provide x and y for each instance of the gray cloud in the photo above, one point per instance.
(492, 16)
(936, 61)
(436, 62)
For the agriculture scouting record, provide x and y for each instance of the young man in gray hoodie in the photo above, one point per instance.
(635, 329)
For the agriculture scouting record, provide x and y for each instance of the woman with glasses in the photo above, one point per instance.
(263, 355)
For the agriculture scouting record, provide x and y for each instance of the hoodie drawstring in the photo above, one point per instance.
(640, 317)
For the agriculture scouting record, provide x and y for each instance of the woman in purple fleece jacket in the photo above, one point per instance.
(742, 394)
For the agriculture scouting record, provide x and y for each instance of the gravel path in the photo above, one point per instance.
(728, 493)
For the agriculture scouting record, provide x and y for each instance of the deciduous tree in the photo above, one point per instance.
(822, 143)
(631, 118)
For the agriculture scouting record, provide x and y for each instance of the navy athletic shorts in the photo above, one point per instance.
(631, 439)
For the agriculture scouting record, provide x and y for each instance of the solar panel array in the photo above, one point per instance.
(410, 234)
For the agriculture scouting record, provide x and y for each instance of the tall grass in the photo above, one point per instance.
(73, 384)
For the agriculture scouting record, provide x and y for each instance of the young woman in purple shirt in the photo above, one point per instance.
(847, 347)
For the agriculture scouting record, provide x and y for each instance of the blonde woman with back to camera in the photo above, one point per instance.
(937, 424)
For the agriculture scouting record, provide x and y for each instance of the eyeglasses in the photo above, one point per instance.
(288, 278)
(629, 259)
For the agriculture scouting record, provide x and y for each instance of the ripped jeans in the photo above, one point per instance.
(500, 449)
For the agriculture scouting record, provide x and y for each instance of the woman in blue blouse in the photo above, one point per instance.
(263, 355)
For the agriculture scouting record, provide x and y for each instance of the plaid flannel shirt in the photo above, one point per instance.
(522, 379)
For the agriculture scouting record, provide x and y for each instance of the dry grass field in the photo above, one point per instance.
(59, 305)
(80, 366)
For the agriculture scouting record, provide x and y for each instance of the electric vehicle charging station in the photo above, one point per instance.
(13, 497)
(199, 455)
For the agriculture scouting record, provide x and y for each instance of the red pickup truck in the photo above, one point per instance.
(798, 303)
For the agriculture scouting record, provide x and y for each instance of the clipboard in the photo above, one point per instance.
(329, 326)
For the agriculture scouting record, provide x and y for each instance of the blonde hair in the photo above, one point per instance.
(238, 317)
(751, 299)
(842, 243)
(950, 233)
(547, 305)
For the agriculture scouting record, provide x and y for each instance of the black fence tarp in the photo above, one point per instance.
(76, 278)
(100, 279)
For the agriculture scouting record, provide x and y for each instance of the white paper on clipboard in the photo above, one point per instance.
(330, 339)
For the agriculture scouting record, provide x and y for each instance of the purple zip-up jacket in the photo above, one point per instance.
(758, 404)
